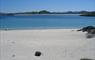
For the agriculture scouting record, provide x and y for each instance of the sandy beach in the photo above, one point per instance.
(54, 44)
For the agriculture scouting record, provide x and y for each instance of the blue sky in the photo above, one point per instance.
(50, 5)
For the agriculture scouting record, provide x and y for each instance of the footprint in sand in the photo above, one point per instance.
(13, 55)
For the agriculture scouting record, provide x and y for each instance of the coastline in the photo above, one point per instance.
(54, 44)
(43, 14)
(40, 28)
(7, 29)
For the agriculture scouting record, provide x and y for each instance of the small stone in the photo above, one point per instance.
(38, 53)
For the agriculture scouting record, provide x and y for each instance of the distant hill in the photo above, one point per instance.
(82, 13)
(88, 14)
(6, 14)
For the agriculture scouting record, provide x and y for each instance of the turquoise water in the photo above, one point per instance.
(45, 21)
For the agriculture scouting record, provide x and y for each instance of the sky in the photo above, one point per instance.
(50, 5)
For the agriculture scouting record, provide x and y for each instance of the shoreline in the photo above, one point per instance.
(40, 28)
(44, 14)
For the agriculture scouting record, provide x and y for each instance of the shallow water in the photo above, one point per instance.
(45, 21)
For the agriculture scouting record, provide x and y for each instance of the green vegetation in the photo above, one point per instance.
(44, 12)
(40, 12)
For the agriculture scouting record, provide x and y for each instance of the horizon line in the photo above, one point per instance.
(48, 10)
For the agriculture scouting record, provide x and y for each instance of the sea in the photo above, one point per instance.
(46, 21)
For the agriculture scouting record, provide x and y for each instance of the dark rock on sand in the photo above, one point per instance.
(85, 59)
(38, 53)
(89, 35)
(87, 29)
(90, 31)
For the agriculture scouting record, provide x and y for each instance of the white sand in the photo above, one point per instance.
(55, 44)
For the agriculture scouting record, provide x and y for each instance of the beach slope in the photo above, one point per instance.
(54, 44)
